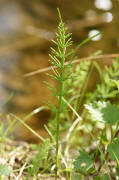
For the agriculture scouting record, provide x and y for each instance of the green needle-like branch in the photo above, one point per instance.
(58, 58)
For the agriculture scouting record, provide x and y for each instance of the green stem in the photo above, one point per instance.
(59, 111)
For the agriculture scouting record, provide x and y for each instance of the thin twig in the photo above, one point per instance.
(21, 171)
(105, 56)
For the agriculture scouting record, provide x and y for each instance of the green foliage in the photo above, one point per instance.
(72, 80)
(108, 148)
(102, 177)
(83, 163)
(117, 170)
(58, 58)
(6, 128)
(103, 111)
(41, 158)
(79, 74)
(72, 87)
(113, 149)
(106, 113)
(108, 89)
(110, 114)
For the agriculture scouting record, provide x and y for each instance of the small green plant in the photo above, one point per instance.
(108, 88)
(70, 81)
(58, 58)
(41, 159)
(106, 143)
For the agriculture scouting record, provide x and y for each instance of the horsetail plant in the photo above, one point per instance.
(61, 75)
(62, 72)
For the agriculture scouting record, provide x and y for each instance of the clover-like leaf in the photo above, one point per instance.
(110, 114)
(83, 163)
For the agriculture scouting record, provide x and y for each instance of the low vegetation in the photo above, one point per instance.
(83, 129)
